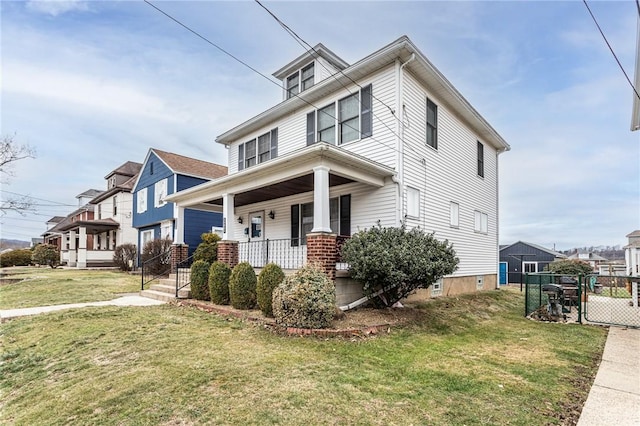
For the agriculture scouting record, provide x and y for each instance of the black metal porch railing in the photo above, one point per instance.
(287, 253)
(155, 268)
(183, 274)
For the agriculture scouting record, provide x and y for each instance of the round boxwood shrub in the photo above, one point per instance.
(18, 257)
(268, 279)
(200, 280)
(306, 299)
(242, 286)
(219, 274)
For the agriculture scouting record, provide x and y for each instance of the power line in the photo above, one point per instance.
(56, 203)
(610, 48)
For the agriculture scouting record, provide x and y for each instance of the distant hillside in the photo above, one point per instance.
(13, 244)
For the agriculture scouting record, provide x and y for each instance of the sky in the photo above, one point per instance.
(93, 84)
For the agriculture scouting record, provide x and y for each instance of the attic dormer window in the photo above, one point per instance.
(300, 81)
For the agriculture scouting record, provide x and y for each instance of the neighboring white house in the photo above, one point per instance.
(632, 254)
(387, 140)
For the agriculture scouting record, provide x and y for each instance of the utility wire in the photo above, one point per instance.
(610, 48)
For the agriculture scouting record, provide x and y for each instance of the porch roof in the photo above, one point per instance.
(92, 226)
(286, 175)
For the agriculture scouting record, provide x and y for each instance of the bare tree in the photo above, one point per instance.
(10, 152)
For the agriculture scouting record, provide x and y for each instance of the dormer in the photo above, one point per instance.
(308, 69)
(122, 174)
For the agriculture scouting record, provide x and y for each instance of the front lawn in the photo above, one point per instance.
(46, 286)
(468, 360)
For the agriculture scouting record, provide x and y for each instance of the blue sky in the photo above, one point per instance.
(93, 84)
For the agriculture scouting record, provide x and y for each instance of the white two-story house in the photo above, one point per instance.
(387, 140)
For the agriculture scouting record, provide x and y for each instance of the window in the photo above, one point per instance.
(292, 85)
(480, 159)
(307, 77)
(115, 206)
(112, 182)
(481, 220)
(159, 192)
(300, 81)
(354, 119)
(454, 215)
(166, 230)
(99, 211)
(145, 237)
(141, 199)
(302, 219)
(151, 168)
(413, 202)
(529, 267)
(259, 150)
(436, 288)
(432, 124)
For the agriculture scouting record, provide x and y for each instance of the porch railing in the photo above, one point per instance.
(155, 268)
(287, 253)
(183, 274)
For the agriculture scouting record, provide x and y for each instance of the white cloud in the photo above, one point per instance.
(57, 7)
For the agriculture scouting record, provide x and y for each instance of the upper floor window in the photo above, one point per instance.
(454, 214)
(432, 124)
(413, 202)
(259, 150)
(115, 206)
(141, 201)
(99, 211)
(300, 81)
(480, 159)
(480, 222)
(112, 182)
(159, 192)
(352, 121)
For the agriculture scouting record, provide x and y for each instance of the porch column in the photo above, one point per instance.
(178, 237)
(228, 216)
(72, 248)
(322, 250)
(321, 219)
(82, 248)
(179, 253)
(228, 253)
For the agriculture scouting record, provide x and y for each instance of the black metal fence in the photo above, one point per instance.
(287, 253)
(155, 268)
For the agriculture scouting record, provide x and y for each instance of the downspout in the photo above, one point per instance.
(400, 133)
(498, 221)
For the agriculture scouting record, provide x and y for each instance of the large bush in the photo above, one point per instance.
(18, 257)
(305, 299)
(219, 275)
(570, 267)
(396, 261)
(208, 248)
(200, 280)
(268, 279)
(124, 256)
(156, 256)
(242, 286)
(46, 254)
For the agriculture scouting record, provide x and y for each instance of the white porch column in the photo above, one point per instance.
(228, 216)
(321, 219)
(72, 248)
(82, 248)
(178, 236)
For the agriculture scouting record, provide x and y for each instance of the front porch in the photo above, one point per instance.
(89, 243)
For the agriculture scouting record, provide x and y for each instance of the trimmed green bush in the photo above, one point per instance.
(46, 254)
(200, 280)
(124, 256)
(219, 275)
(306, 299)
(570, 267)
(208, 248)
(242, 286)
(269, 278)
(18, 257)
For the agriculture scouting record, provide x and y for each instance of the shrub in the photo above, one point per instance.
(570, 267)
(200, 280)
(306, 299)
(18, 257)
(208, 248)
(242, 286)
(124, 256)
(158, 255)
(397, 262)
(46, 254)
(268, 279)
(219, 274)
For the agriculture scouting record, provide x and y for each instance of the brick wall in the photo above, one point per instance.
(228, 253)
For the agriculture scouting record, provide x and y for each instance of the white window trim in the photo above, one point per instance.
(481, 222)
(479, 282)
(144, 239)
(436, 288)
(160, 192)
(529, 263)
(454, 214)
(141, 201)
(413, 202)
(298, 76)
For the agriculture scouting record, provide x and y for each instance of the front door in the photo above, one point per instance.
(257, 245)
(503, 273)
(256, 226)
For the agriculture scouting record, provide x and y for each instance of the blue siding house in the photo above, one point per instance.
(164, 173)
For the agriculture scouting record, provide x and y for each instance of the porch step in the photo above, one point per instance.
(166, 292)
(157, 295)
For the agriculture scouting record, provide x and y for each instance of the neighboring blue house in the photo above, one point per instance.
(164, 173)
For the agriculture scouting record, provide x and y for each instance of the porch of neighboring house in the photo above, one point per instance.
(89, 243)
(293, 210)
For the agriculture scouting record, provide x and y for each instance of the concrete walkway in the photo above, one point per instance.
(126, 300)
(614, 398)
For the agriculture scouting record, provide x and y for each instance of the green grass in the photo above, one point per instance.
(47, 286)
(469, 360)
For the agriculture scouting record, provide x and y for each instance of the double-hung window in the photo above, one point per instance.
(300, 81)
(115, 206)
(343, 121)
(480, 222)
(293, 85)
(141, 201)
(302, 219)
(432, 124)
(259, 150)
(307, 77)
(480, 159)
